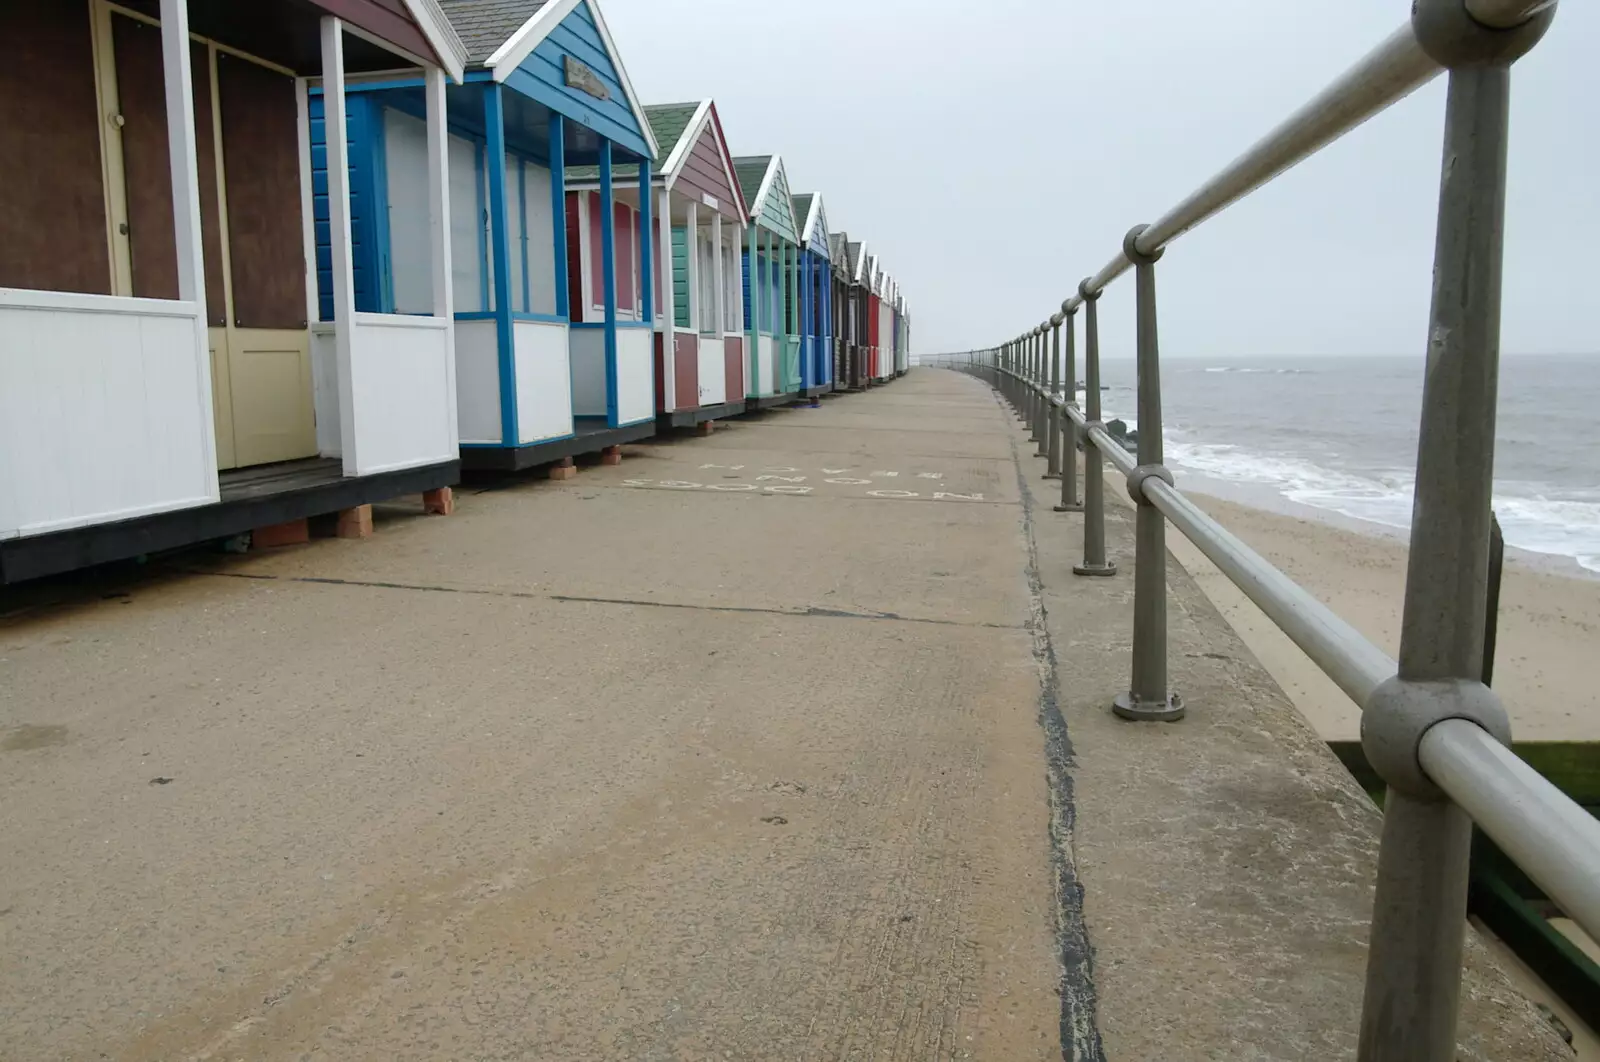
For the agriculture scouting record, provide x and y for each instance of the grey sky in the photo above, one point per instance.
(995, 152)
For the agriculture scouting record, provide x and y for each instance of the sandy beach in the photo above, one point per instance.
(1549, 623)
(1547, 637)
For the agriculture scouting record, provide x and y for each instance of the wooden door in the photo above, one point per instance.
(246, 142)
(269, 348)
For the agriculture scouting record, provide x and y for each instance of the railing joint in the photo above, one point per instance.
(1400, 713)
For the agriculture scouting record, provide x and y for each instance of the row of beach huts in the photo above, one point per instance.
(263, 262)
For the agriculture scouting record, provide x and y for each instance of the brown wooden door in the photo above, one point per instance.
(250, 227)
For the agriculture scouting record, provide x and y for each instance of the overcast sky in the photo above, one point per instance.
(995, 153)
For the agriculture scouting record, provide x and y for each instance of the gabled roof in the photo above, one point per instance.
(500, 34)
(667, 122)
(484, 25)
(813, 218)
(760, 178)
(858, 264)
(752, 173)
(676, 127)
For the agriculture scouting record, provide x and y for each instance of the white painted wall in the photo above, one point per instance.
(766, 366)
(544, 381)
(406, 154)
(478, 382)
(467, 223)
(541, 242)
(885, 341)
(636, 375)
(401, 391)
(713, 372)
(105, 410)
(588, 351)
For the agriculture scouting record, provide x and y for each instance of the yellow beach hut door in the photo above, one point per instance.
(247, 143)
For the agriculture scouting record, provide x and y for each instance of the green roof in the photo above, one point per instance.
(668, 121)
(802, 208)
(751, 170)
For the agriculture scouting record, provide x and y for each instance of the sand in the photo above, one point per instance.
(1549, 623)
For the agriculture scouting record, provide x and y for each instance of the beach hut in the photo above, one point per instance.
(816, 297)
(699, 319)
(771, 315)
(839, 280)
(552, 332)
(858, 330)
(164, 376)
(872, 282)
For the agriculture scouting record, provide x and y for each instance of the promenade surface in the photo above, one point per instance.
(789, 742)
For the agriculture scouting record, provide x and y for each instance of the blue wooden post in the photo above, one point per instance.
(500, 250)
(608, 266)
(802, 264)
(558, 208)
(830, 340)
(647, 263)
(752, 283)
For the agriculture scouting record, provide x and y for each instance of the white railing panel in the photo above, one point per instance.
(713, 371)
(105, 410)
(588, 348)
(544, 380)
(478, 381)
(636, 376)
(400, 378)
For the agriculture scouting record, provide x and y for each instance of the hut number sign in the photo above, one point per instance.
(584, 79)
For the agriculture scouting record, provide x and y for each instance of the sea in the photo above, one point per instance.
(1337, 437)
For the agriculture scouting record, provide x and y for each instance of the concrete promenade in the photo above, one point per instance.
(790, 742)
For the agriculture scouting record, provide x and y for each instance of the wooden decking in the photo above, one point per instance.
(250, 498)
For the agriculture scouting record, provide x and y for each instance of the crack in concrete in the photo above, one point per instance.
(811, 611)
(1080, 1032)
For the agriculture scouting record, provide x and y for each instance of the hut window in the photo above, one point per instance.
(707, 267)
(731, 295)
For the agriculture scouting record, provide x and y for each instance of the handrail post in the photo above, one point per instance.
(1148, 699)
(1419, 910)
(1037, 379)
(1094, 480)
(1069, 427)
(1052, 414)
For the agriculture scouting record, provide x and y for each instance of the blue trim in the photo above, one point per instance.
(475, 315)
(558, 210)
(547, 318)
(494, 121)
(608, 267)
(525, 84)
(804, 280)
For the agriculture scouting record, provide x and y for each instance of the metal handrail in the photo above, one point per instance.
(1552, 838)
(1433, 731)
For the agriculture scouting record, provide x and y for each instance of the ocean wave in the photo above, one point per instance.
(1531, 517)
(1260, 371)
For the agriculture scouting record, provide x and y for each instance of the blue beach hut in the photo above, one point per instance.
(546, 368)
(815, 283)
